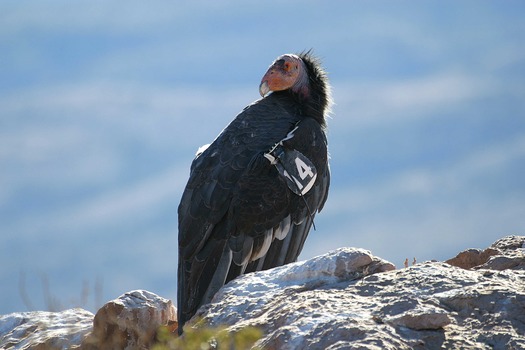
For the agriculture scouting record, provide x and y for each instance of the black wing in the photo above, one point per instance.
(237, 214)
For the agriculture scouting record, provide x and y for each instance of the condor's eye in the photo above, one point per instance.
(288, 66)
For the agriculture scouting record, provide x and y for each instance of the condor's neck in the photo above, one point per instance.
(312, 105)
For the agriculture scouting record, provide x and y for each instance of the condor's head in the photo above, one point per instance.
(286, 72)
(303, 76)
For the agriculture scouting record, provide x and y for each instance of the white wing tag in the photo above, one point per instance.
(300, 173)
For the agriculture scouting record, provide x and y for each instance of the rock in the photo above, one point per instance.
(344, 299)
(470, 258)
(420, 318)
(512, 254)
(506, 253)
(510, 243)
(130, 322)
(45, 330)
(340, 301)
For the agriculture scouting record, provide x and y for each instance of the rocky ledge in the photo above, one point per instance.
(345, 299)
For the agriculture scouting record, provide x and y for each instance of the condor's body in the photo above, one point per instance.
(238, 213)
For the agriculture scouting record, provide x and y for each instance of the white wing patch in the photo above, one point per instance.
(202, 149)
(268, 239)
(282, 230)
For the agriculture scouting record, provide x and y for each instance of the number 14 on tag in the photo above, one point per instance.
(298, 170)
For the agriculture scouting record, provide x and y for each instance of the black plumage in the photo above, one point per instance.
(237, 213)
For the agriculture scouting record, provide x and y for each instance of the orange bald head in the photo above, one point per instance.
(286, 72)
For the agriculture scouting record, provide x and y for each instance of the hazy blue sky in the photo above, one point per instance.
(103, 105)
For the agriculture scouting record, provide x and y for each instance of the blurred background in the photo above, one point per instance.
(103, 105)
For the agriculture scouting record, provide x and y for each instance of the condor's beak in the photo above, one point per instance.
(264, 88)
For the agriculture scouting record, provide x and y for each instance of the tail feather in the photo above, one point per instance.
(201, 278)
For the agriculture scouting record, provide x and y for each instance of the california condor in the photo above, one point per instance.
(253, 193)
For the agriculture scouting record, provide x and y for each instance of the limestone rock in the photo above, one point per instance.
(470, 258)
(41, 330)
(339, 301)
(506, 253)
(130, 321)
(512, 254)
(346, 299)
(420, 318)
